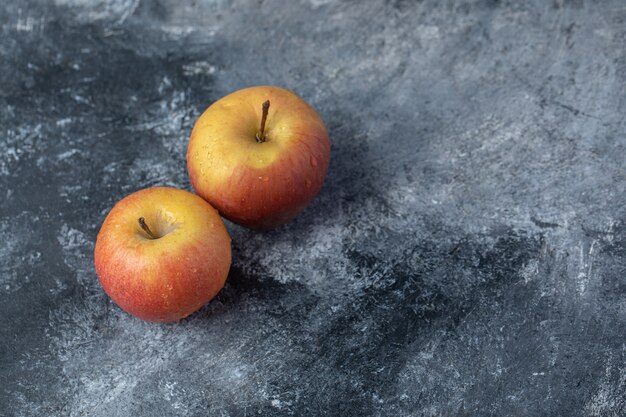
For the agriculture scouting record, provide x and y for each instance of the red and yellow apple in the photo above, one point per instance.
(162, 253)
(259, 155)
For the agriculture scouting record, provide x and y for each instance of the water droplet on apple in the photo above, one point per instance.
(308, 183)
(313, 161)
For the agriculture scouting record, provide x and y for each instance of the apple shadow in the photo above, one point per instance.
(351, 184)
(243, 288)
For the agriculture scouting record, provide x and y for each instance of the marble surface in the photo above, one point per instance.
(466, 256)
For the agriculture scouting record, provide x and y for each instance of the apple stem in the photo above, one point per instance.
(260, 135)
(144, 226)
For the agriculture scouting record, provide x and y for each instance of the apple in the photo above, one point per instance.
(259, 155)
(162, 253)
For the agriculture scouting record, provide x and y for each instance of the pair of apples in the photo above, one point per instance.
(258, 156)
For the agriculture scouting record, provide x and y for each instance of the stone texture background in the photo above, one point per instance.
(465, 257)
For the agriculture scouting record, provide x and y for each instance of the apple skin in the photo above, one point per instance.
(164, 279)
(259, 185)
